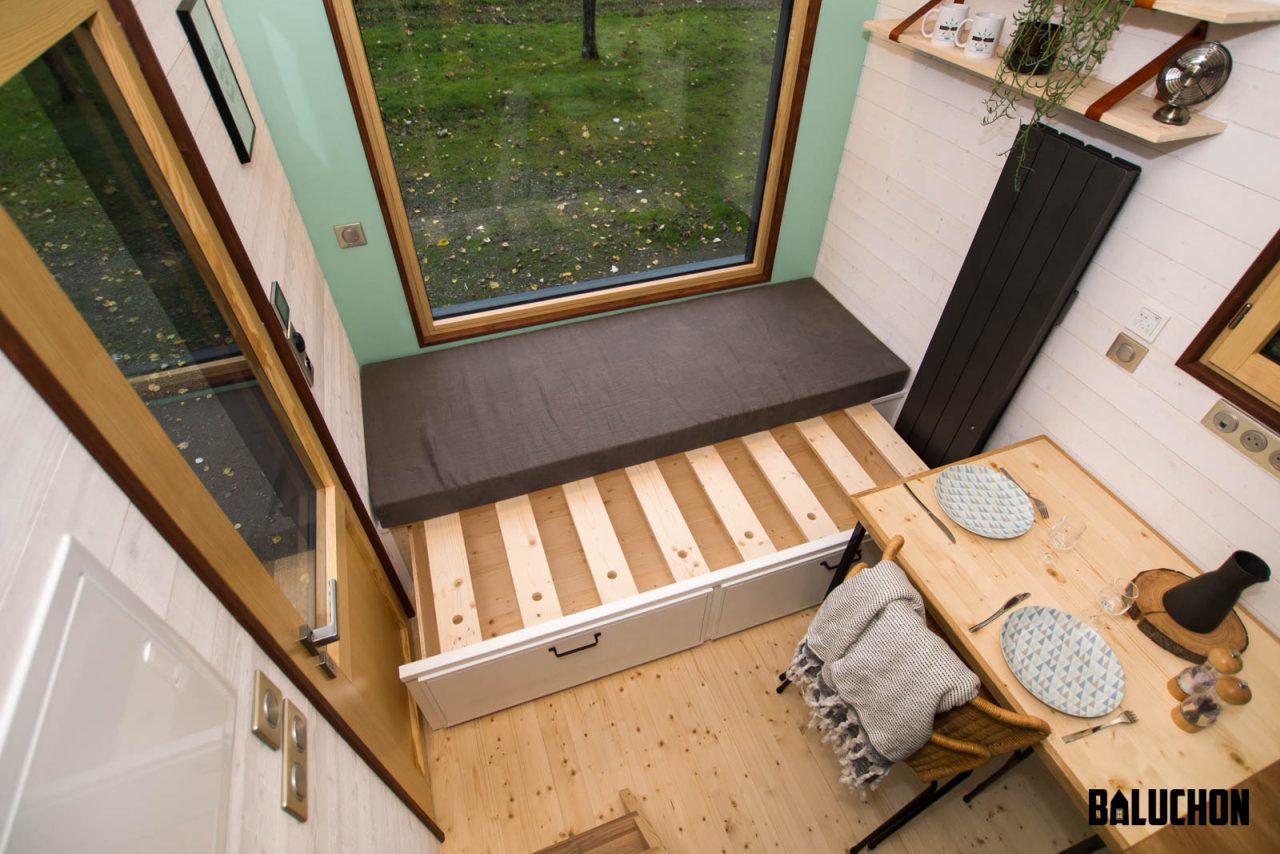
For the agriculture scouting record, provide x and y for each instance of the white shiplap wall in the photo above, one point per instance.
(50, 486)
(917, 172)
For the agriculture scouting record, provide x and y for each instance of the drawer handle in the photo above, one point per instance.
(558, 654)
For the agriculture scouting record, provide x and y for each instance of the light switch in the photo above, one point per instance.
(268, 711)
(349, 235)
(293, 768)
(1126, 352)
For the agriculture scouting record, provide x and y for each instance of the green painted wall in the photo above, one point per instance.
(293, 68)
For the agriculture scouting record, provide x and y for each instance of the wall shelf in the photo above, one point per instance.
(1220, 11)
(1131, 116)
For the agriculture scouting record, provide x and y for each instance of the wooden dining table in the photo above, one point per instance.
(965, 581)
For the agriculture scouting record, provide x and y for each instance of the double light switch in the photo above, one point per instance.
(278, 723)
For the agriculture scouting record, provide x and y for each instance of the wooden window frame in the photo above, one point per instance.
(438, 330)
(53, 347)
(1224, 356)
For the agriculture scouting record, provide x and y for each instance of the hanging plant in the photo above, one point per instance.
(1049, 60)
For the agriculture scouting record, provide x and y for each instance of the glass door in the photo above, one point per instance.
(75, 188)
(123, 305)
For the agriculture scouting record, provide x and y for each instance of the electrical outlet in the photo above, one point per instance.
(1148, 322)
(1253, 441)
(1245, 435)
(293, 770)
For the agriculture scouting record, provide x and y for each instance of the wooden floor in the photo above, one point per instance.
(719, 762)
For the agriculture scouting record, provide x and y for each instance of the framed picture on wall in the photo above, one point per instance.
(211, 55)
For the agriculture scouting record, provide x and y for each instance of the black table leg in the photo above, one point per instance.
(902, 817)
(1086, 846)
(852, 551)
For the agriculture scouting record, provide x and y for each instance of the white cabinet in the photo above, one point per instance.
(512, 674)
(768, 595)
(514, 668)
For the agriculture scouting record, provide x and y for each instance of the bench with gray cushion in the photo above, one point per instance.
(456, 428)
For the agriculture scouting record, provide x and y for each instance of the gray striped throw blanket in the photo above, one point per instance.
(874, 676)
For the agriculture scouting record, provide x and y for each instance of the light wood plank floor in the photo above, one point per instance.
(719, 761)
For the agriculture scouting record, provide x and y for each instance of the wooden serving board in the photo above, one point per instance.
(1153, 622)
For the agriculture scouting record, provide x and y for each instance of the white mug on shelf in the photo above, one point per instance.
(946, 20)
(982, 35)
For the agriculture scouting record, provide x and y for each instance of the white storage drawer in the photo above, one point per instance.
(502, 678)
(767, 596)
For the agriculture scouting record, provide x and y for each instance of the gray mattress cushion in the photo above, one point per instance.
(465, 426)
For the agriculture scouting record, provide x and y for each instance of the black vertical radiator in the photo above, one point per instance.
(1019, 277)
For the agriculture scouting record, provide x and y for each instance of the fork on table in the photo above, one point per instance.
(1125, 717)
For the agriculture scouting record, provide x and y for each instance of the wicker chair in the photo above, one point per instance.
(964, 738)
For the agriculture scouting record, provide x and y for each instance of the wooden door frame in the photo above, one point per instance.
(1195, 360)
(431, 330)
(50, 343)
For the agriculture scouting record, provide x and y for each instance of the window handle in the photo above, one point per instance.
(324, 635)
(1235, 321)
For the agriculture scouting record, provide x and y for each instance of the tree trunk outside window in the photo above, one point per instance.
(589, 30)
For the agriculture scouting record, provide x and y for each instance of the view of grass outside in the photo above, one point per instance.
(526, 167)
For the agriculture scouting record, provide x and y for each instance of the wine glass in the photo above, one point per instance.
(1063, 536)
(1115, 599)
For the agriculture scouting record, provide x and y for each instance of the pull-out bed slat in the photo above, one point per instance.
(600, 544)
(837, 458)
(730, 504)
(801, 504)
(530, 573)
(455, 601)
(891, 446)
(669, 528)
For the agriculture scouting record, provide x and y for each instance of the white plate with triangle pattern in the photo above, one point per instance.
(982, 500)
(1062, 661)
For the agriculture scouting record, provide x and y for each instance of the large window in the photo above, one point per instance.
(544, 158)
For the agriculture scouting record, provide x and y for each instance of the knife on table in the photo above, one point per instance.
(936, 520)
(1012, 603)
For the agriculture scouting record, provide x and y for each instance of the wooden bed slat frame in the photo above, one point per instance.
(530, 573)
(801, 504)
(670, 530)
(892, 447)
(837, 458)
(454, 599)
(600, 519)
(600, 544)
(735, 512)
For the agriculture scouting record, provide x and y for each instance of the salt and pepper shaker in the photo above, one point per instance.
(1200, 677)
(1201, 710)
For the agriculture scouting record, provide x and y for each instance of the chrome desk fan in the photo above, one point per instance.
(1189, 77)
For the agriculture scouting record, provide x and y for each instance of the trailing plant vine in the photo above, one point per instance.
(1070, 54)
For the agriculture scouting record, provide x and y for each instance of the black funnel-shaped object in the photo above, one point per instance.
(1202, 603)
